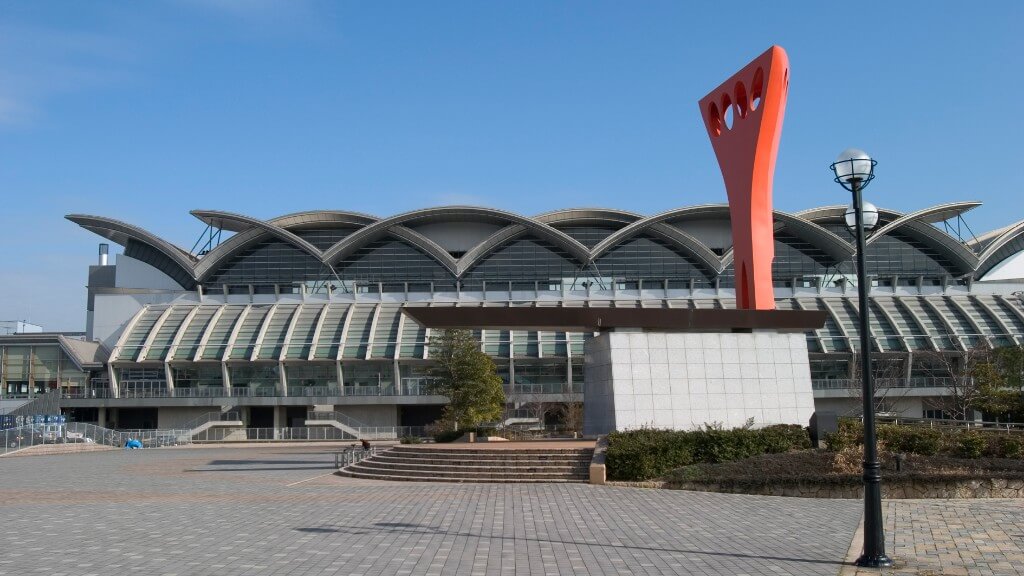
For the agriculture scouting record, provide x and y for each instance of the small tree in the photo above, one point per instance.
(1000, 377)
(467, 376)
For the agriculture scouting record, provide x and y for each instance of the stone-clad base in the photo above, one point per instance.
(919, 488)
(683, 381)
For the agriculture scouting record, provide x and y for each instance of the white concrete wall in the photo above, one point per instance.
(1010, 269)
(683, 381)
(132, 273)
(113, 311)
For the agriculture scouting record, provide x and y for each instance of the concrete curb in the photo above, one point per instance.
(856, 545)
(598, 469)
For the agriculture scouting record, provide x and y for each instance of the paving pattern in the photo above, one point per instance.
(280, 511)
(983, 537)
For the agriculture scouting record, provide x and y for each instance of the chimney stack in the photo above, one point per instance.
(104, 250)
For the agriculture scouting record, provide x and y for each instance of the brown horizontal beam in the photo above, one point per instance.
(592, 319)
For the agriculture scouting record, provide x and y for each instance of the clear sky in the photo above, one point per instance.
(143, 111)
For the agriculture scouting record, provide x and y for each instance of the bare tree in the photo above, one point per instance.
(889, 379)
(571, 415)
(963, 392)
(534, 406)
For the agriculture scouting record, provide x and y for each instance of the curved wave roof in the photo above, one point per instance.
(501, 227)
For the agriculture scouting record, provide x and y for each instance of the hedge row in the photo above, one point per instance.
(649, 453)
(444, 436)
(959, 443)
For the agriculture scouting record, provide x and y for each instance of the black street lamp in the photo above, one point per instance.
(854, 169)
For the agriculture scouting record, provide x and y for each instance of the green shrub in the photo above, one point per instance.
(1010, 447)
(444, 436)
(645, 454)
(784, 437)
(850, 434)
(411, 440)
(909, 440)
(970, 445)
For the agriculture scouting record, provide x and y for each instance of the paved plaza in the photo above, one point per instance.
(279, 510)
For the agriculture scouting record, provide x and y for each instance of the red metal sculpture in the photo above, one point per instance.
(744, 120)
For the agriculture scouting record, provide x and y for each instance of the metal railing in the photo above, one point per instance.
(350, 456)
(880, 383)
(83, 433)
(544, 388)
(214, 416)
(305, 433)
(413, 389)
(939, 423)
(335, 416)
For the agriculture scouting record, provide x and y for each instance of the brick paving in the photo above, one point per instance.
(276, 510)
(983, 537)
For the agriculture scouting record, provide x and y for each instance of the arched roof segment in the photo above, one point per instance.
(916, 225)
(121, 232)
(239, 222)
(373, 231)
(929, 215)
(822, 237)
(313, 218)
(583, 216)
(249, 231)
(492, 243)
(999, 248)
(427, 245)
(828, 242)
(642, 224)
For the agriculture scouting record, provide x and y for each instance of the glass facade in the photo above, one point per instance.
(268, 262)
(525, 260)
(391, 261)
(198, 376)
(651, 260)
(32, 370)
(589, 236)
(255, 376)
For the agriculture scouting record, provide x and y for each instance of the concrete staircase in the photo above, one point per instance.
(439, 464)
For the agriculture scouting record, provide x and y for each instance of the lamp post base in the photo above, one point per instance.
(874, 561)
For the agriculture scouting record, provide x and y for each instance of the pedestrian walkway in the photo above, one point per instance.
(280, 510)
(983, 537)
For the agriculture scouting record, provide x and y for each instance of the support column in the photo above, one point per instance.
(225, 373)
(169, 376)
(101, 416)
(341, 378)
(115, 391)
(282, 380)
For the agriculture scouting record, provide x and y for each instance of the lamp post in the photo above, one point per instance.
(854, 169)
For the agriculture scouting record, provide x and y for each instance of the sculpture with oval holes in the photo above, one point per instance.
(743, 117)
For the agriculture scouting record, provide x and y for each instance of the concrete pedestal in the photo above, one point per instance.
(683, 380)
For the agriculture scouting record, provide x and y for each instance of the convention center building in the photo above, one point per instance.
(276, 318)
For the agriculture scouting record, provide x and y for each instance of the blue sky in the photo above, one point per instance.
(145, 110)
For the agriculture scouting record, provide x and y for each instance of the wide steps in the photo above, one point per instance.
(392, 477)
(466, 460)
(479, 466)
(433, 464)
